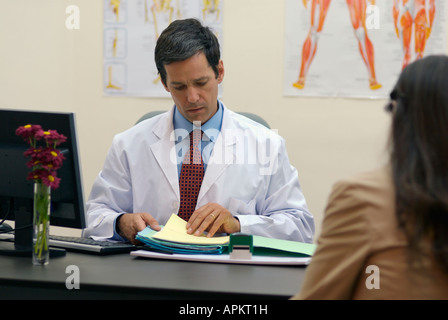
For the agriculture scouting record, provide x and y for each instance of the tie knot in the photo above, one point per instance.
(195, 136)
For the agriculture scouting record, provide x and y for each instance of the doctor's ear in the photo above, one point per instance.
(220, 76)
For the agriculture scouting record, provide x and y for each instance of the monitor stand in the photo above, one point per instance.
(21, 244)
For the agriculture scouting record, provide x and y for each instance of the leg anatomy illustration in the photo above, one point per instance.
(357, 9)
(319, 9)
(413, 21)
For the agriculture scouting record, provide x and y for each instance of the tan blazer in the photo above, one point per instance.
(360, 230)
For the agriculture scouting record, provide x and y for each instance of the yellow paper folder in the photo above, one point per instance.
(175, 230)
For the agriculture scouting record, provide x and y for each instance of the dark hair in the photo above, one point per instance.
(419, 155)
(181, 40)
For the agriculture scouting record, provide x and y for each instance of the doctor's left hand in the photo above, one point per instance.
(213, 218)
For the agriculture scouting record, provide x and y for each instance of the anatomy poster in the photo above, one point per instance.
(357, 48)
(131, 29)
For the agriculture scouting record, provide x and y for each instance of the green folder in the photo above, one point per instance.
(264, 246)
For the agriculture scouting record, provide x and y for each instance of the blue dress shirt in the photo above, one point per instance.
(182, 129)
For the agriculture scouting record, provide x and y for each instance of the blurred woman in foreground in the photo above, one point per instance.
(385, 233)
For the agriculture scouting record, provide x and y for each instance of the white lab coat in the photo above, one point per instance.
(248, 173)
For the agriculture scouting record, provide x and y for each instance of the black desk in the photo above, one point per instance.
(126, 277)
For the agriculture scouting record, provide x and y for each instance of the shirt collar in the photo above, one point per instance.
(210, 128)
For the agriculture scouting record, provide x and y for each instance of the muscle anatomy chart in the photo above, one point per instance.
(357, 48)
(131, 29)
(413, 20)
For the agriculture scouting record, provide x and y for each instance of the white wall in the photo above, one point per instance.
(44, 66)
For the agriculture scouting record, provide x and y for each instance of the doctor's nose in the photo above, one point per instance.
(192, 95)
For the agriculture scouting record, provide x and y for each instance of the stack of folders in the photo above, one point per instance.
(174, 239)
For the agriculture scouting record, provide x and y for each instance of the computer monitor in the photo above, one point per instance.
(16, 192)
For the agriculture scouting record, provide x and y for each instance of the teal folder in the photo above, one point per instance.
(147, 237)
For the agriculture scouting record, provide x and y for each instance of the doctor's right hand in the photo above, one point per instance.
(129, 224)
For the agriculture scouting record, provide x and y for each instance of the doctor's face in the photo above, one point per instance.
(193, 85)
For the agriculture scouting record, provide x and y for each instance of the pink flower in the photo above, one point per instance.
(28, 131)
(51, 180)
(48, 178)
(35, 154)
(51, 159)
(36, 174)
(51, 136)
(43, 161)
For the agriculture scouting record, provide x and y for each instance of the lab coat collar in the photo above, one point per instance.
(222, 156)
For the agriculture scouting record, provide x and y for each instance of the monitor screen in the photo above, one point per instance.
(16, 192)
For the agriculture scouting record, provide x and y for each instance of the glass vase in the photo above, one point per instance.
(41, 224)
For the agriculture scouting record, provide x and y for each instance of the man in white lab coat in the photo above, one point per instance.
(248, 186)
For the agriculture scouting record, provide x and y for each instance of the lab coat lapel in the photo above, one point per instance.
(164, 150)
(222, 156)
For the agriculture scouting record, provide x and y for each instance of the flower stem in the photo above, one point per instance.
(41, 220)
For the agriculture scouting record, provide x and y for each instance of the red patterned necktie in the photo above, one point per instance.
(191, 176)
